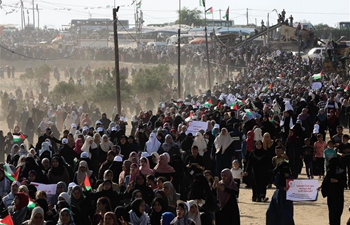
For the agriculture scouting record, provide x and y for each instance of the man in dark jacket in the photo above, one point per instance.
(237, 137)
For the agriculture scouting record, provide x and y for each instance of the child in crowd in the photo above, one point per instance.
(319, 147)
(329, 152)
(308, 152)
(237, 174)
(280, 156)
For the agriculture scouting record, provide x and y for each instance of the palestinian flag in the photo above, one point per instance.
(7, 220)
(208, 103)
(138, 5)
(317, 76)
(227, 15)
(18, 138)
(249, 112)
(87, 183)
(209, 11)
(202, 3)
(271, 119)
(9, 173)
(346, 88)
(270, 86)
(31, 204)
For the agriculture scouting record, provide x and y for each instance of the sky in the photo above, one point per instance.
(55, 13)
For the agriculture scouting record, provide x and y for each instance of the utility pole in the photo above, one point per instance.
(28, 17)
(116, 55)
(33, 14)
(22, 14)
(37, 9)
(220, 14)
(299, 46)
(179, 53)
(247, 17)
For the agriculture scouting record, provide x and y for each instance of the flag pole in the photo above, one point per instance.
(179, 53)
(228, 44)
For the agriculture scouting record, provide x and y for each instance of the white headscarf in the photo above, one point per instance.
(106, 145)
(195, 217)
(86, 145)
(152, 145)
(222, 141)
(200, 142)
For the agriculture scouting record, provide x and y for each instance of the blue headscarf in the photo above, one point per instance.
(322, 117)
(167, 217)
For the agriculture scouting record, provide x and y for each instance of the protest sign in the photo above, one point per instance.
(316, 85)
(195, 126)
(302, 190)
(50, 189)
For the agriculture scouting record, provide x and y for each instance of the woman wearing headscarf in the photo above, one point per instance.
(144, 167)
(294, 152)
(4, 184)
(110, 218)
(80, 203)
(138, 216)
(124, 176)
(280, 210)
(152, 145)
(29, 165)
(321, 120)
(83, 171)
(14, 155)
(201, 143)
(78, 145)
(107, 191)
(167, 217)
(182, 210)
(19, 211)
(200, 190)
(163, 168)
(66, 217)
(258, 165)
(171, 194)
(122, 215)
(226, 192)
(60, 187)
(223, 151)
(22, 150)
(58, 171)
(29, 129)
(116, 167)
(141, 184)
(170, 146)
(194, 213)
(158, 208)
(103, 206)
(154, 159)
(247, 147)
(108, 175)
(36, 218)
(333, 188)
(104, 147)
(187, 143)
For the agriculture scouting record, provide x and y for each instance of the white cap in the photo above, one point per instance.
(118, 159)
(316, 129)
(145, 154)
(84, 155)
(100, 129)
(64, 141)
(73, 125)
(113, 129)
(216, 126)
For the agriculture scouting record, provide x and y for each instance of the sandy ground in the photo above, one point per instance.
(305, 213)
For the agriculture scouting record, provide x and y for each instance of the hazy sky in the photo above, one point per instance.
(161, 11)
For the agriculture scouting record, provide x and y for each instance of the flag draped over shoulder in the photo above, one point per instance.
(7, 220)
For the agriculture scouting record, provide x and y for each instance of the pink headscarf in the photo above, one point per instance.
(145, 170)
(77, 148)
(134, 175)
(224, 196)
(163, 166)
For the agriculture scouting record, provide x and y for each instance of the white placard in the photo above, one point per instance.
(316, 85)
(195, 126)
(50, 189)
(302, 190)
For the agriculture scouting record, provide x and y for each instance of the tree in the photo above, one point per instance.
(322, 27)
(149, 80)
(190, 17)
(67, 92)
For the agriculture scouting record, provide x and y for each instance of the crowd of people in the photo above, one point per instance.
(262, 127)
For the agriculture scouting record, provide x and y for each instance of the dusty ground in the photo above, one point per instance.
(305, 213)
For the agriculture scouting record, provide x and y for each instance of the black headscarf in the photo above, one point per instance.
(156, 216)
(60, 168)
(281, 169)
(135, 205)
(120, 212)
